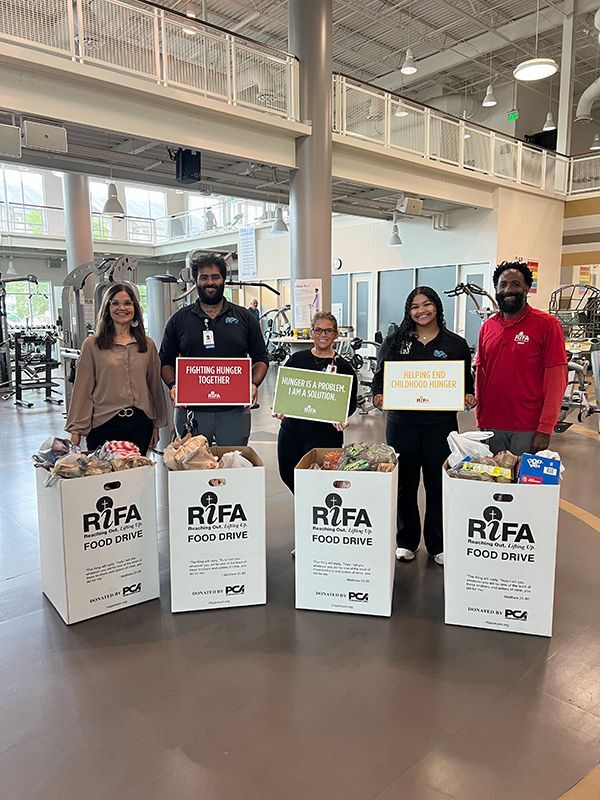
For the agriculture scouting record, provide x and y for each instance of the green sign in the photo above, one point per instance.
(306, 394)
(512, 115)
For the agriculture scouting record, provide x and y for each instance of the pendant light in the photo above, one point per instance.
(279, 225)
(190, 10)
(549, 125)
(489, 100)
(595, 145)
(113, 207)
(409, 67)
(535, 69)
(394, 240)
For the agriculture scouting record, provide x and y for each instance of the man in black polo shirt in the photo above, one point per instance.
(212, 327)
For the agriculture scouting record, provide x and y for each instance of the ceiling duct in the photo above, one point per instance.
(591, 94)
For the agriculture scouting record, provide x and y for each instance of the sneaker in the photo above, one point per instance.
(439, 559)
(403, 554)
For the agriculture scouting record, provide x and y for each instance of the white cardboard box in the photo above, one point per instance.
(98, 542)
(217, 536)
(500, 555)
(345, 538)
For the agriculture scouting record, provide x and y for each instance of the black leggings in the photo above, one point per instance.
(292, 445)
(137, 429)
(420, 446)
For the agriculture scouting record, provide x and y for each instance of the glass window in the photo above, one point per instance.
(26, 303)
(25, 201)
(146, 204)
(101, 225)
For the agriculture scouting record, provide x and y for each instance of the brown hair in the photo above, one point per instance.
(325, 315)
(105, 328)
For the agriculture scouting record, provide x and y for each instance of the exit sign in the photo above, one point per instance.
(512, 115)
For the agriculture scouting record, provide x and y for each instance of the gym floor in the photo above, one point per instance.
(267, 702)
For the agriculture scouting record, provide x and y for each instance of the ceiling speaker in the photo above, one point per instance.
(410, 205)
(39, 136)
(10, 141)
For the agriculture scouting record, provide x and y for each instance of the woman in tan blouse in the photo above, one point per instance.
(118, 392)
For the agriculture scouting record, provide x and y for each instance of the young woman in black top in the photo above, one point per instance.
(420, 437)
(298, 436)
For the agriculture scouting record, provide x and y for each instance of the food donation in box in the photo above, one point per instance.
(499, 539)
(539, 469)
(217, 512)
(97, 528)
(345, 521)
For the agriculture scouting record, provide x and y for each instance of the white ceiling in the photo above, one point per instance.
(370, 37)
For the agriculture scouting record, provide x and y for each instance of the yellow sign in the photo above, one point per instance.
(424, 385)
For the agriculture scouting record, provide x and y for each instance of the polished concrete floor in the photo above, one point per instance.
(267, 702)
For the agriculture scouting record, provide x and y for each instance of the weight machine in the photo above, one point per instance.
(34, 359)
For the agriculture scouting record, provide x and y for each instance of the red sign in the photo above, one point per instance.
(213, 382)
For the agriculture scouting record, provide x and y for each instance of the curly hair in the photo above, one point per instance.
(520, 266)
(209, 260)
(407, 330)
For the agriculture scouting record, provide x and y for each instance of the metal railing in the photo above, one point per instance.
(162, 46)
(22, 219)
(364, 112)
(585, 174)
(220, 217)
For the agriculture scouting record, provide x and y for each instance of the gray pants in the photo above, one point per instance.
(224, 428)
(518, 442)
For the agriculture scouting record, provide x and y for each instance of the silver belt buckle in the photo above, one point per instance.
(126, 412)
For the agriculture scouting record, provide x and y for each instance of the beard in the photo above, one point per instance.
(211, 299)
(510, 303)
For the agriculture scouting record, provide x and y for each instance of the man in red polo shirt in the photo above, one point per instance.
(521, 367)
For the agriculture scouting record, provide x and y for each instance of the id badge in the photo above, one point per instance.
(208, 338)
(331, 369)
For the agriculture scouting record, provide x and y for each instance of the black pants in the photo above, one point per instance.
(292, 445)
(420, 446)
(137, 429)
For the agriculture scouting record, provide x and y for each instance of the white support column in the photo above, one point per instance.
(567, 66)
(78, 223)
(310, 32)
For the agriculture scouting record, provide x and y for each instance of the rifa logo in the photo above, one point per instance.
(422, 400)
(359, 597)
(334, 514)
(213, 395)
(231, 320)
(511, 613)
(133, 589)
(491, 528)
(106, 515)
(310, 409)
(210, 512)
(521, 338)
(240, 589)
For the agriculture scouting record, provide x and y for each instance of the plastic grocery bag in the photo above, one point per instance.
(233, 460)
(471, 443)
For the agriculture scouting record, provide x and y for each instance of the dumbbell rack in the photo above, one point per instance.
(34, 363)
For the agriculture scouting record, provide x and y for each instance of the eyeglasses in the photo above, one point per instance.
(325, 331)
(117, 304)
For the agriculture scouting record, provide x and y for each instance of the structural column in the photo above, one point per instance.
(567, 67)
(310, 30)
(78, 223)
